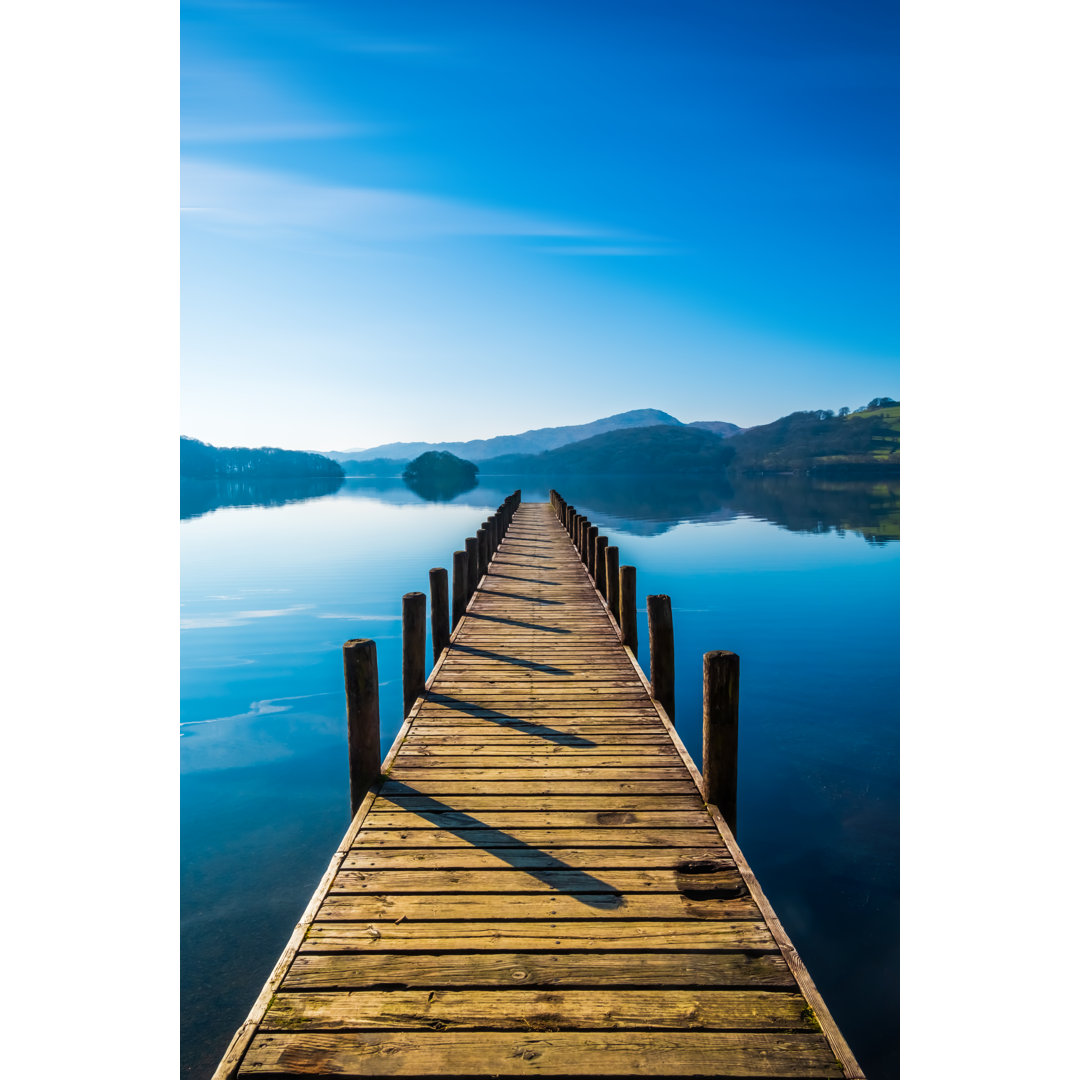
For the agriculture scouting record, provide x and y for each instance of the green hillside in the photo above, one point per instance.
(662, 448)
(867, 440)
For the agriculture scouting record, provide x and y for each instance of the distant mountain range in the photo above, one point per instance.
(648, 441)
(530, 442)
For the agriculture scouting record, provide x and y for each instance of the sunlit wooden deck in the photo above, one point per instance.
(537, 888)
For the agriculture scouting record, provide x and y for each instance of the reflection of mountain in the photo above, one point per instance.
(801, 504)
(439, 488)
(650, 505)
(198, 497)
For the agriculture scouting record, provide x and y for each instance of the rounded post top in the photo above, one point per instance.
(355, 642)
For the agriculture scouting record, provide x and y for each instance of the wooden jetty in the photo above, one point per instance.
(533, 883)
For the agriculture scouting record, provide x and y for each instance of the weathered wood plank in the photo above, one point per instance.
(539, 819)
(539, 1010)
(346, 971)
(657, 935)
(516, 880)
(537, 838)
(607, 1054)
(363, 857)
(482, 907)
(450, 783)
(533, 803)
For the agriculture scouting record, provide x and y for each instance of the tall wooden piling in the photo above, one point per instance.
(600, 559)
(590, 549)
(481, 553)
(440, 611)
(661, 652)
(611, 574)
(628, 606)
(472, 577)
(362, 710)
(720, 735)
(413, 641)
(460, 584)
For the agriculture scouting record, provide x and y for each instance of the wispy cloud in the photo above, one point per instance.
(237, 618)
(266, 707)
(262, 200)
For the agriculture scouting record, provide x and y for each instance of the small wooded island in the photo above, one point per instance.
(439, 475)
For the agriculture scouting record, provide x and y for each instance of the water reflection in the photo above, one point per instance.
(439, 488)
(198, 497)
(640, 506)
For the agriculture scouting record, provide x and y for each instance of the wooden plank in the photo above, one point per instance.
(347, 971)
(614, 935)
(516, 880)
(482, 907)
(450, 784)
(600, 1054)
(539, 819)
(531, 803)
(538, 838)
(417, 775)
(539, 1010)
(362, 857)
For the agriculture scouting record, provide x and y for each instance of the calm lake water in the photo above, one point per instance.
(800, 578)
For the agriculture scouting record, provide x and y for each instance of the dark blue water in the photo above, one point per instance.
(800, 579)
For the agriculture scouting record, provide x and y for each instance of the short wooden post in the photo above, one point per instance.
(601, 565)
(590, 549)
(413, 640)
(571, 513)
(472, 555)
(440, 611)
(461, 598)
(362, 709)
(493, 537)
(661, 652)
(628, 606)
(611, 573)
(720, 737)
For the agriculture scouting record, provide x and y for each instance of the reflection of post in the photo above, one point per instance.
(362, 709)
(461, 576)
(628, 606)
(473, 554)
(601, 565)
(612, 574)
(440, 614)
(413, 608)
(661, 652)
(720, 744)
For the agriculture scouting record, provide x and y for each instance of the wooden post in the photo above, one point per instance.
(583, 547)
(472, 556)
(611, 573)
(590, 549)
(601, 564)
(481, 554)
(628, 606)
(720, 742)
(461, 597)
(440, 612)
(493, 537)
(571, 513)
(661, 652)
(362, 709)
(413, 610)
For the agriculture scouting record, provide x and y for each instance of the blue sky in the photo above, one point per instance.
(437, 221)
